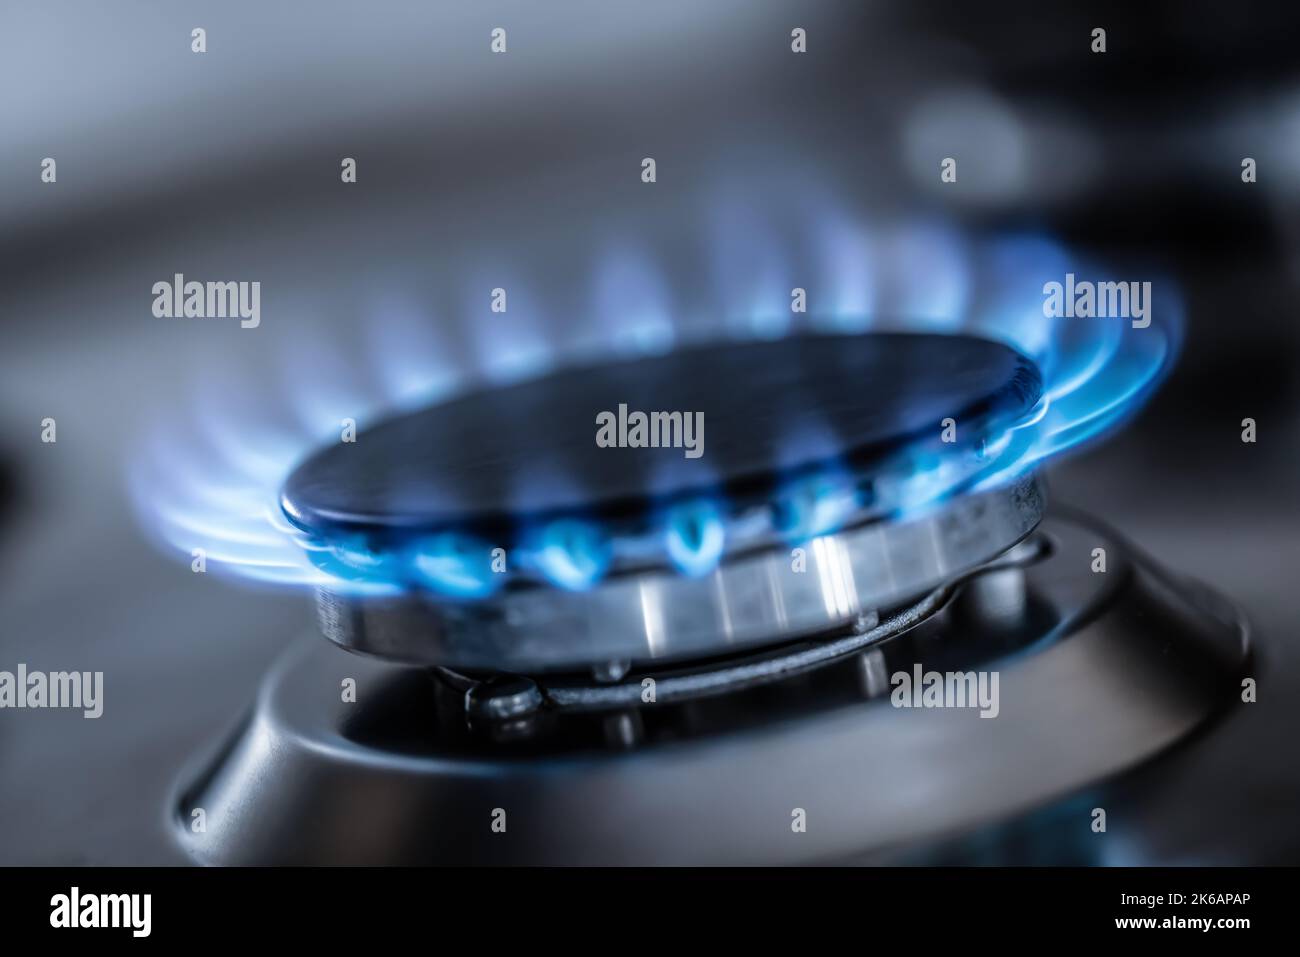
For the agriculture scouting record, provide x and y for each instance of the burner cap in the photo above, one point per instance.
(830, 444)
(493, 461)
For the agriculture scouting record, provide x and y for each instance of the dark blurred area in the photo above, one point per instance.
(473, 166)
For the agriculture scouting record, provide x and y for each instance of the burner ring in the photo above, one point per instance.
(747, 601)
(719, 450)
(836, 483)
(735, 674)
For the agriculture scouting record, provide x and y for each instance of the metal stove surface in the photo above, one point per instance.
(1098, 673)
(1104, 667)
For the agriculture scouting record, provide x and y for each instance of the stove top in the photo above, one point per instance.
(788, 647)
(853, 594)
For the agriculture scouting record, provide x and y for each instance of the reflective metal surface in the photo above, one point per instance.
(1106, 671)
(662, 616)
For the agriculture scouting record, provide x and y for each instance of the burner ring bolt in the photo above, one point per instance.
(503, 698)
(610, 672)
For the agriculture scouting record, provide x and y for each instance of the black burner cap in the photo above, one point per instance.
(771, 411)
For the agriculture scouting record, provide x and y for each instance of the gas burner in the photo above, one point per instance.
(830, 488)
(679, 650)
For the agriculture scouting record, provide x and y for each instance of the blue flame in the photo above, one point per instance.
(626, 286)
(751, 269)
(207, 484)
(353, 558)
(847, 273)
(456, 565)
(814, 505)
(571, 553)
(932, 284)
(696, 536)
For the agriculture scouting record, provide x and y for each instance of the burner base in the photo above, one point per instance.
(748, 601)
(1096, 673)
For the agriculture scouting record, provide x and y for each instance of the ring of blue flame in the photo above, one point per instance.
(218, 495)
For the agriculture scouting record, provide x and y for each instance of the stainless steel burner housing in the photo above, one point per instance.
(1121, 666)
(661, 616)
